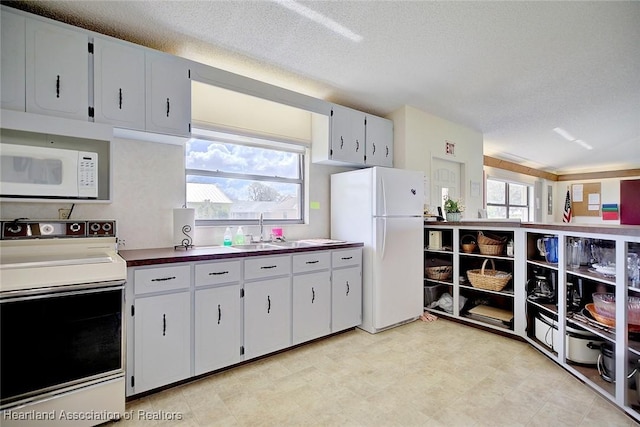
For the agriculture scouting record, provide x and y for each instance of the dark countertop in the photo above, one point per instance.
(624, 230)
(140, 257)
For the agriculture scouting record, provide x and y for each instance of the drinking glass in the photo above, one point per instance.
(633, 270)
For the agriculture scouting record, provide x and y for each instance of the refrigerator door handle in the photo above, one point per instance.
(384, 237)
(383, 195)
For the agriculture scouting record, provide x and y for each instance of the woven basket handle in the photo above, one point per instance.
(493, 265)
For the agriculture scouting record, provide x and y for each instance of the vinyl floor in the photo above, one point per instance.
(421, 374)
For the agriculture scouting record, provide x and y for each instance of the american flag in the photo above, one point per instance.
(566, 216)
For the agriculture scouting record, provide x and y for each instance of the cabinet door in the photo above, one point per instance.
(12, 52)
(347, 135)
(311, 306)
(57, 71)
(118, 84)
(217, 328)
(162, 342)
(267, 316)
(346, 298)
(379, 141)
(168, 94)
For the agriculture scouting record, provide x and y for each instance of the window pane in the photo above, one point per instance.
(232, 198)
(241, 159)
(517, 194)
(496, 212)
(521, 213)
(496, 192)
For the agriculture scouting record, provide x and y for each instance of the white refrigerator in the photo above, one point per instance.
(383, 208)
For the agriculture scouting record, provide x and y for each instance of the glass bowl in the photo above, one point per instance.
(605, 305)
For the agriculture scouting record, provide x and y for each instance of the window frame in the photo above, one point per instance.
(507, 204)
(259, 142)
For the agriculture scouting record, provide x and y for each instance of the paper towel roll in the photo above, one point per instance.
(184, 226)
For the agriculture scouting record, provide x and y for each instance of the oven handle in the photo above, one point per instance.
(61, 291)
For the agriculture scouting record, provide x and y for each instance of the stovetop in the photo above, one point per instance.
(23, 228)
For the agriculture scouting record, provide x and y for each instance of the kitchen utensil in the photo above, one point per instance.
(548, 248)
(605, 306)
(574, 253)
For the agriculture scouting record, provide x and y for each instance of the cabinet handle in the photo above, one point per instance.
(357, 145)
(268, 267)
(341, 142)
(312, 262)
(163, 279)
(219, 314)
(120, 98)
(268, 304)
(374, 148)
(168, 107)
(313, 295)
(218, 273)
(164, 325)
(347, 287)
(346, 257)
(387, 155)
(58, 87)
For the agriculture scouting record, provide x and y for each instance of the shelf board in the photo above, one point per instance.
(552, 266)
(479, 255)
(508, 291)
(551, 308)
(439, 251)
(601, 331)
(585, 273)
(439, 282)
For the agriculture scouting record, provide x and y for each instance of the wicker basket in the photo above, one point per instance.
(468, 243)
(490, 245)
(442, 272)
(491, 280)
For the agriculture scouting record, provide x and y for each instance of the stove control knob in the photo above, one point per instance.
(75, 227)
(46, 229)
(95, 227)
(15, 229)
(106, 226)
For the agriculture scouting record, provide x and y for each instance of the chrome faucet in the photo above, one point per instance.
(261, 223)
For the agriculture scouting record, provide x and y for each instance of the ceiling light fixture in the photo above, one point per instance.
(320, 19)
(566, 135)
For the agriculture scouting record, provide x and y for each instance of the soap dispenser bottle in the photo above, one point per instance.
(239, 236)
(227, 237)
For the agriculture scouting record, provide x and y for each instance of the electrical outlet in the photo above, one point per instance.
(63, 213)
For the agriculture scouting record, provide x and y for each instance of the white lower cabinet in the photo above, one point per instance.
(267, 316)
(311, 306)
(217, 328)
(162, 340)
(191, 318)
(346, 298)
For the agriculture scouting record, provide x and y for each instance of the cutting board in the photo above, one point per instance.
(492, 312)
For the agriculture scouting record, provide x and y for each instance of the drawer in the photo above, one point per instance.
(213, 273)
(346, 257)
(161, 279)
(259, 267)
(311, 261)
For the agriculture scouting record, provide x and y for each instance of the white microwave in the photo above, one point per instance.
(45, 172)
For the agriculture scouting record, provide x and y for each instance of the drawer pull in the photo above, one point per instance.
(313, 262)
(218, 273)
(268, 304)
(268, 267)
(313, 295)
(219, 314)
(164, 325)
(163, 279)
(347, 288)
(346, 257)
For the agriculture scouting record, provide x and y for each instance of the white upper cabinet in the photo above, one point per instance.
(168, 94)
(12, 51)
(379, 141)
(119, 97)
(347, 135)
(57, 71)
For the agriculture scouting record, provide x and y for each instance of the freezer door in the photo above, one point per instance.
(397, 270)
(399, 192)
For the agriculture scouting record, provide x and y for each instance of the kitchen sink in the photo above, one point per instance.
(293, 244)
(257, 246)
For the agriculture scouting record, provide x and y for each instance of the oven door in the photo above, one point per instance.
(52, 340)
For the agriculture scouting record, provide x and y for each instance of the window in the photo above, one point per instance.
(233, 179)
(508, 200)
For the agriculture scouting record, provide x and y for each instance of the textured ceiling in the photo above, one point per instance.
(512, 70)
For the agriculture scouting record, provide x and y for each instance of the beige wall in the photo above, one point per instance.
(419, 137)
